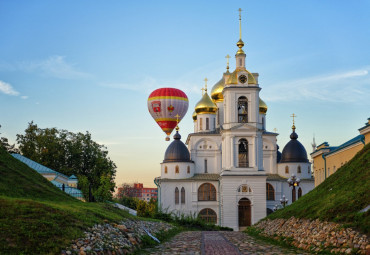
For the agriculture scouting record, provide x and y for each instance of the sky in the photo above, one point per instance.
(91, 65)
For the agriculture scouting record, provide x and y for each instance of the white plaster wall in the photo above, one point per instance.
(183, 170)
(203, 117)
(293, 167)
(220, 114)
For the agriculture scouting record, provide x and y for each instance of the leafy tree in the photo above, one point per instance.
(71, 153)
(4, 142)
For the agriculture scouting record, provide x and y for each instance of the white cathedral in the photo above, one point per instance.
(230, 172)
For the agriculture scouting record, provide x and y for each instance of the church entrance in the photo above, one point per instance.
(244, 212)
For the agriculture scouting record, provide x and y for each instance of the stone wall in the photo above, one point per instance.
(122, 238)
(316, 236)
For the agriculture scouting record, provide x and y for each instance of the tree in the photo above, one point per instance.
(71, 153)
(4, 142)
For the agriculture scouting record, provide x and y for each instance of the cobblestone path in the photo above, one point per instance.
(216, 243)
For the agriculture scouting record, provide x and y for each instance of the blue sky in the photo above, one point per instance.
(91, 65)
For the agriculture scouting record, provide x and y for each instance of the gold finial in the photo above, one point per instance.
(202, 89)
(275, 130)
(205, 85)
(227, 66)
(293, 116)
(177, 119)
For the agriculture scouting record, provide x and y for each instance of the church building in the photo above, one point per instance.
(230, 171)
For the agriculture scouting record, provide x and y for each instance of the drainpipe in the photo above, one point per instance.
(363, 140)
(323, 156)
(156, 182)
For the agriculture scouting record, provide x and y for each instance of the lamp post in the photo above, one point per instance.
(283, 201)
(294, 182)
(276, 207)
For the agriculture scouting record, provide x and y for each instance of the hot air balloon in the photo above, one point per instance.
(167, 107)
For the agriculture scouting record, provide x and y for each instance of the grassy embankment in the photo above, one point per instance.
(340, 198)
(38, 218)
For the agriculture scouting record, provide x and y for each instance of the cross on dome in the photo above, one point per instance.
(293, 116)
(205, 84)
(227, 65)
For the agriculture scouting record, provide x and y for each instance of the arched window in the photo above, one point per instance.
(207, 123)
(208, 215)
(287, 169)
(270, 192)
(177, 170)
(205, 166)
(243, 153)
(242, 110)
(299, 192)
(165, 169)
(188, 170)
(177, 196)
(299, 169)
(182, 195)
(207, 192)
(200, 124)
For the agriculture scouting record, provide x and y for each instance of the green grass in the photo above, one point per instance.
(38, 218)
(339, 198)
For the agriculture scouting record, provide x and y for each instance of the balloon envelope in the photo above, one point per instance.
(165, 104)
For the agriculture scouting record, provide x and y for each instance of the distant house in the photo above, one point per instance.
(137, 190)
(63, 182)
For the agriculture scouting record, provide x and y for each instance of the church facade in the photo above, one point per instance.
(230, 171)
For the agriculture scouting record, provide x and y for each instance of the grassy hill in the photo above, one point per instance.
(38, 218)
(339, 198)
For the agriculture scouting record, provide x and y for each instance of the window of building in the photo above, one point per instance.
(270, 192)
(299, 192)
(205, 166)
(188, 170)
(242, 110)
(214, 123)
(243, 153)
(299, 169)
(177, 170)
(208, 215)
(207, 123)
(165, 169)
(263, 123)
(328, 170)
(287, 169)
(308, 169)
(200, 124)
(177, 196)
(207, 192)
(182, 195)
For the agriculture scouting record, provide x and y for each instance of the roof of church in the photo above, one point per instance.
(177, 151)
(294, 151)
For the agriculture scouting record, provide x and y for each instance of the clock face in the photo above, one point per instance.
(243, 78)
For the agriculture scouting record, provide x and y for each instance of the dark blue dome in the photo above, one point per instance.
(294, 151)
(278, 154)
(177, 151)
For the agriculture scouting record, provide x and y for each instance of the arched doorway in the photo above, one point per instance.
(244, 208)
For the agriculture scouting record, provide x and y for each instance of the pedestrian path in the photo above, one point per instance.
(216, 243)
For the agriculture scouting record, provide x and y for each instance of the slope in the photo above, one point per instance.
(340, 198)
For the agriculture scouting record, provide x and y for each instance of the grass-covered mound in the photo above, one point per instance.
(339, 198)
(38, 218)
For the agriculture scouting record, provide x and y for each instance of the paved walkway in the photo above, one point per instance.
(216, 243)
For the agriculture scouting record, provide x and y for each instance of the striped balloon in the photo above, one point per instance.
(164, 105)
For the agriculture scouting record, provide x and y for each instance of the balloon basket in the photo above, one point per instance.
(167, 138)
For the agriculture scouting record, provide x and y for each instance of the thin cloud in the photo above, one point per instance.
(352, 85)
(7, 89)
(54, 66)
(24, 97)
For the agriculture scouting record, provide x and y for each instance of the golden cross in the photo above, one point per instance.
(227, 57)
(177, 118)
(202, 89)
(240, 23)
(275, 130)
(205, 84)
(293, 116)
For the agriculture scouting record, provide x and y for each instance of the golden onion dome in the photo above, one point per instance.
(205, 105)
(194, 116)
(262, 106)
(233, 79)
(216, 92)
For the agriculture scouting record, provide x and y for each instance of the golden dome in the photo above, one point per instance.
(194, 116)
(216, 92)
(233, 79)
(205, 105)
(262, 106)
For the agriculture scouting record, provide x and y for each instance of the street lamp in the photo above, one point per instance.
(284, 201)
(276, 207)
(294, 182)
